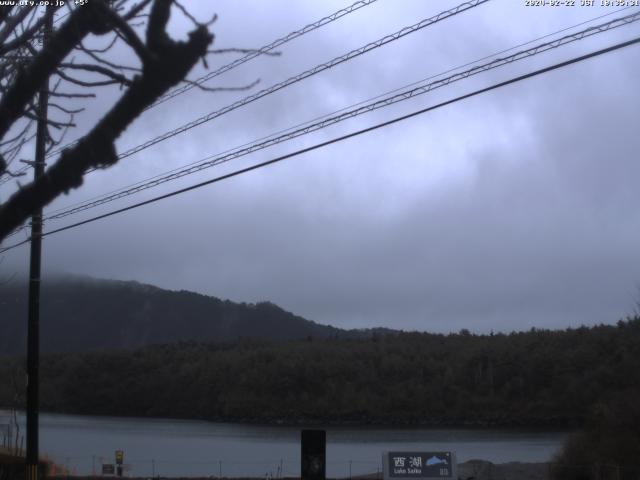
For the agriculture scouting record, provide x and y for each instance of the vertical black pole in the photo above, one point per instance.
(313, 454)
(33, 329)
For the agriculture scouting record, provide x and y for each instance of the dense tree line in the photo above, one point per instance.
(608, 445)
(539, 377)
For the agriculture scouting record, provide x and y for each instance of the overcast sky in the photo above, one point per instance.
(513, 209)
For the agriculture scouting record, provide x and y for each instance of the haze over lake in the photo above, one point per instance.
(185, 447)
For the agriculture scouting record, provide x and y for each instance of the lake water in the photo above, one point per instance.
(198, 448)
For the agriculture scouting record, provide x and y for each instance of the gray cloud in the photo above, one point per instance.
(506, 211)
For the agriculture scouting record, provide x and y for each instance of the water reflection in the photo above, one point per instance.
(189, 448)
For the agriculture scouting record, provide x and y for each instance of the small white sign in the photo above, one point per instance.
(419, 465)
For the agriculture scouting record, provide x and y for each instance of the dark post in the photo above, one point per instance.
(314, 446)
(33, 327)
(119, 462)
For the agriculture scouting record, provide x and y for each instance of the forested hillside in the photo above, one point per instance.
(82, 314)
(541, 378)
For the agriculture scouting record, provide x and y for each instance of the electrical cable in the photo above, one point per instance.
(247, 57)
(147, 183)
(150, 182)
(17, 173)
(421, 89)
(262, 50)
(463, 7)
(342, 138)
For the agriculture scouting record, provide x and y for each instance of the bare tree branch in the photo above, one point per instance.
(92, 54)
(17, 137)
(131, 37)
(27, 35)
(186, 13)
(12, 23)
(99, 50)
(89, 19)
(157, 37)
(56, 142)
(64, 109)
(72, 95)
(87, 67)
(53, 123)
(90, 83)
(5, 11)
(167, 64)
(15, 175)
(135, 10)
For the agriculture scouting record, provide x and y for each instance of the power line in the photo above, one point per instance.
(317, 69)
(421, 89)
(265, 49)
(123, 191)
(249, 56)
(272, 140)
(342, 138)
(17, 173)
(306, 74)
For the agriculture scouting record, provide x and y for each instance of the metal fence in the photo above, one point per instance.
(268, 469)
(365, 469)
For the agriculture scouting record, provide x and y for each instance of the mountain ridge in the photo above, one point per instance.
(80, 313)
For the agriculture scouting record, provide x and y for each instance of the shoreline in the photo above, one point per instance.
(548, 425)
(476, 469)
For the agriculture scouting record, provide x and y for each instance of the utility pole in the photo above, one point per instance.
(33, 328)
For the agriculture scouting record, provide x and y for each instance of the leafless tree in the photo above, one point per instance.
(74, 67)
